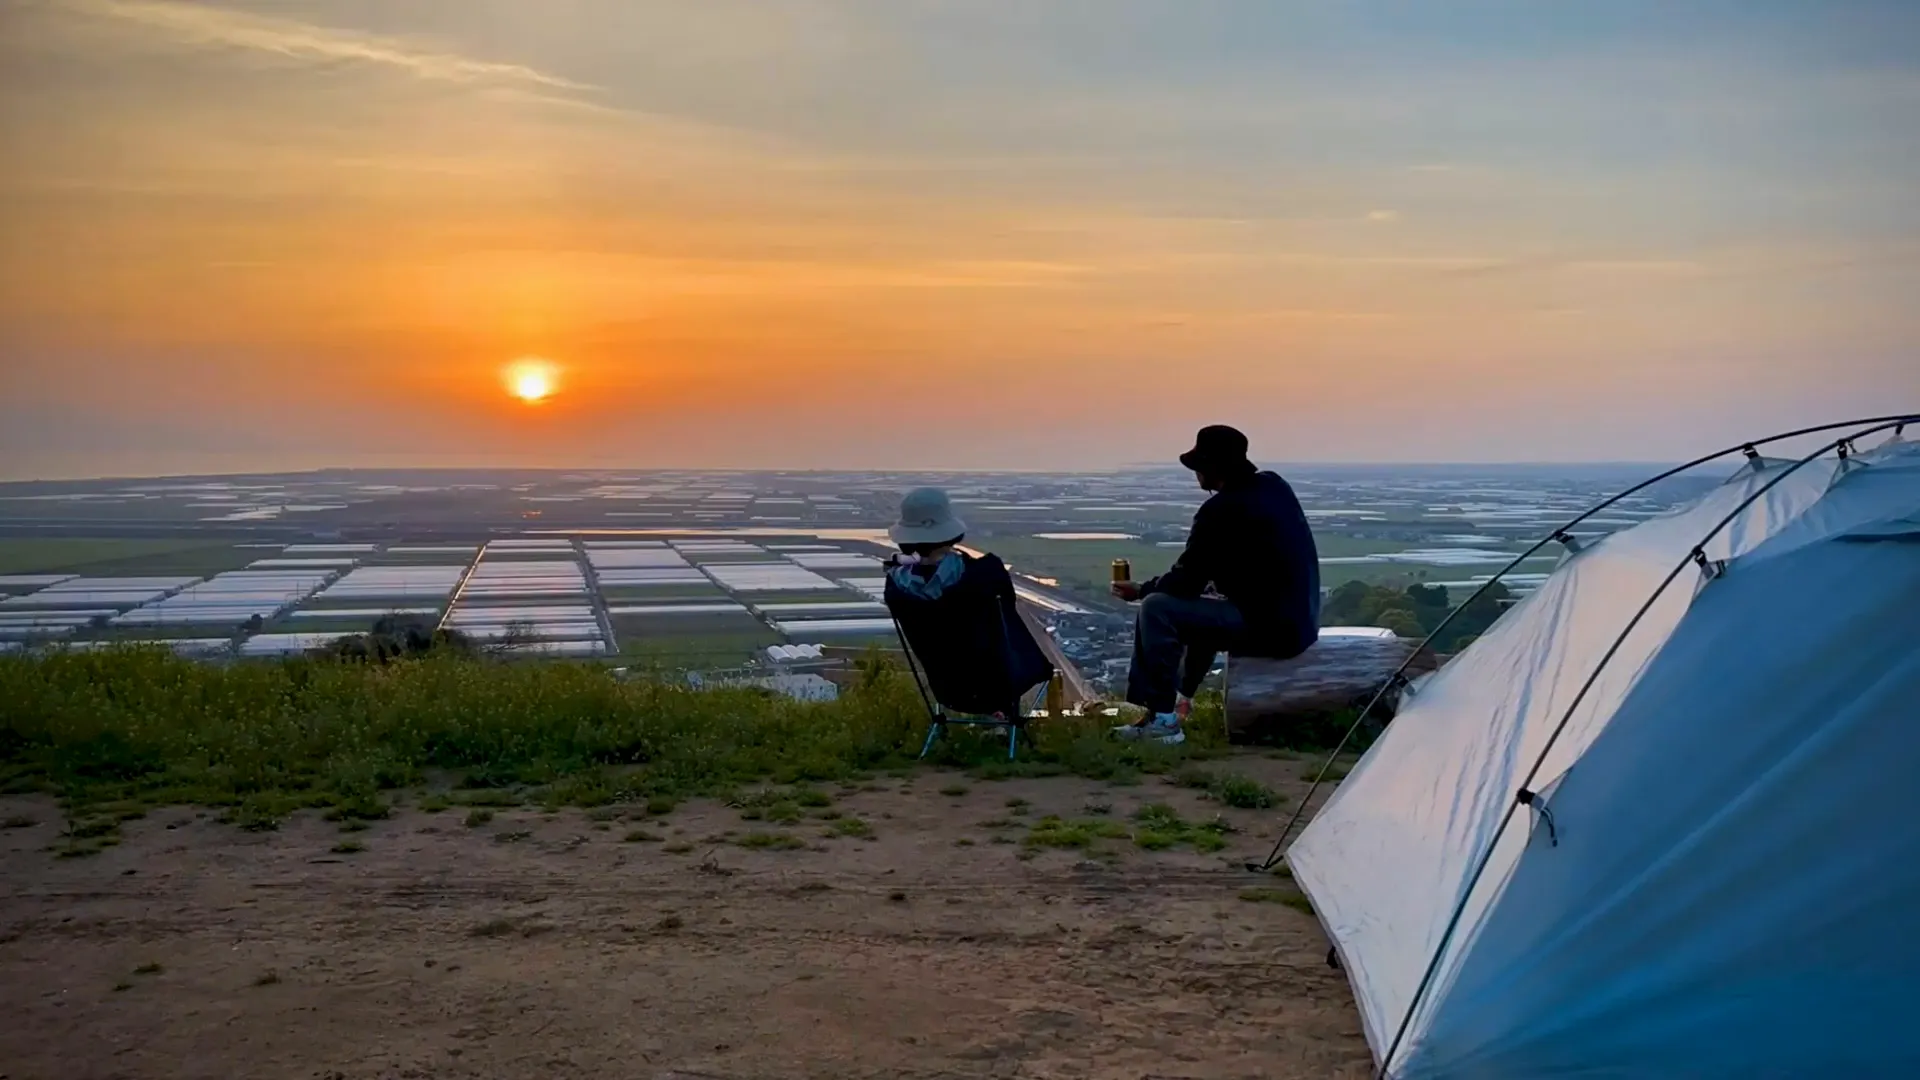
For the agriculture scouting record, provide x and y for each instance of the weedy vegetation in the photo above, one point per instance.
(765, 841)
(116, 731)
(1156, 827)
(1234, 790)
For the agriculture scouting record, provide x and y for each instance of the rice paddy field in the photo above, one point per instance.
(690, 603)
(677, 570)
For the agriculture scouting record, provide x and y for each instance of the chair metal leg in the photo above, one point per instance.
(1013, 740)
(1226, 697)
(933, 732)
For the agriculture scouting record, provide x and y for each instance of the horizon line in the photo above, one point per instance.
(905, 470)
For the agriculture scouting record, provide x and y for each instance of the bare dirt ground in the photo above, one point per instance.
(545, 946)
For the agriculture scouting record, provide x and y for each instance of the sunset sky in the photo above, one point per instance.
(281, 234)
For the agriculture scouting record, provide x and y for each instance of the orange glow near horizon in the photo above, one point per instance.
(532, 379)
(471, 234)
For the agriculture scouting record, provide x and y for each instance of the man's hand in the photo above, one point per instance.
(1127, 590)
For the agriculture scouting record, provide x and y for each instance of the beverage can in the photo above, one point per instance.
(1122, 570)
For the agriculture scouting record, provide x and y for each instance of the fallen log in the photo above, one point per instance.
(1338, 674)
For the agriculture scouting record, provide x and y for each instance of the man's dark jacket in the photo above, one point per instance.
(1252, 542)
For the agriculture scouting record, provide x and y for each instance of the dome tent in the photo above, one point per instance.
(1653, 821)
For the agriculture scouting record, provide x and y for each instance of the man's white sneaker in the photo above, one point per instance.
(1163, 728)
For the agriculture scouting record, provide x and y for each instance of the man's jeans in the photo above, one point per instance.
(1175, 641)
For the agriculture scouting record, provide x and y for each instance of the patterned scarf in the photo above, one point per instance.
(929, 588)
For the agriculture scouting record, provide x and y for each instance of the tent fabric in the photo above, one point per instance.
(1562, 949)
(1737, 875)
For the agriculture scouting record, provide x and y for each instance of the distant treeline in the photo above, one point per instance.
(396, 637)
(1414, 611)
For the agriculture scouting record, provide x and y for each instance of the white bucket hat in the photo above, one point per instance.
(926, 517)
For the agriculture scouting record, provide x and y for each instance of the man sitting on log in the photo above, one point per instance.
(1248, 582)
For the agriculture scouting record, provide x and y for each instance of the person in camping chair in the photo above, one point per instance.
(957, 611)
(1248, 582)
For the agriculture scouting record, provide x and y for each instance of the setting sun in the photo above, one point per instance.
(531, 380)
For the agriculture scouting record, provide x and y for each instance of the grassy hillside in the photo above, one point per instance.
(116, 731)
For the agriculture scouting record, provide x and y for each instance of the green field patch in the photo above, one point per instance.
(885, 639)
(663, 594)
(82, 513)
(690, 626)
(1393, 574)
(392, 607)
(115, 557)
(320, 626)
(708, 558)
(679, 646)
(823, 596)
(155, 633)
(1079, 564)
(1086, 566)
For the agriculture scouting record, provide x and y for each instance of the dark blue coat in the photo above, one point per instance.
(1252, 542)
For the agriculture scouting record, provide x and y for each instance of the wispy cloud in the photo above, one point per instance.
(1650, 267)
(200, 25)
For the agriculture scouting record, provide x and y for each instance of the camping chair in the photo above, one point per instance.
(977, 656)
